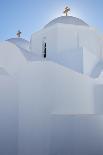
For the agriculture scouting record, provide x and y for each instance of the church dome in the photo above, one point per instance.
(67, 20)
(20, 42)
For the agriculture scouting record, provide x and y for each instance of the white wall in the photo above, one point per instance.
(11, 58)
(67, 37)
(57, 106)
(71, 36)
(90, 39)
(90, 60)
(101, 46)
(76, 135)
(36, 43)
(46, 88)
(64, 44)
(72, 59)
(8, 115)
(61, 37)
(47, 106)
(51, 39)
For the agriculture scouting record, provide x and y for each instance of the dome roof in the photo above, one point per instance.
(67, 20)
(20, 42)
(23, 46)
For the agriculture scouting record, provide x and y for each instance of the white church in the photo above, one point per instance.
(51, 91)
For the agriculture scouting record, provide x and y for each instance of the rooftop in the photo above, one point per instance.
(67, 20)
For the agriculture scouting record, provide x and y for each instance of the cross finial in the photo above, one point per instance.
(18, 33)
(67, 9)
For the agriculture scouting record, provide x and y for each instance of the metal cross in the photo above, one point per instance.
(19, 34)
(67, 9)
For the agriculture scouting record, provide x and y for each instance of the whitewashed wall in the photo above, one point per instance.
(72, 59)
(61, 37)
(64, 44)
(90, 60)
(50, 109)
(76, 135)
(11, 57)
(50, 35)
(46, 88)
(9, 112)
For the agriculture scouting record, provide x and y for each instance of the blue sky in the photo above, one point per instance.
(31, 15)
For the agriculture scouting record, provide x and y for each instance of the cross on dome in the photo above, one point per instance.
(67, 9)
(18, 33)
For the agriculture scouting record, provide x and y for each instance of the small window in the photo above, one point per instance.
(44, 48)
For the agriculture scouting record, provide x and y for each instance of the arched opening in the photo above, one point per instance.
(44, 48)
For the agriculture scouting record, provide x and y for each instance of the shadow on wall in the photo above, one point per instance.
(77, 135)
(98, 99)
(97, 70)
(70, 59)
